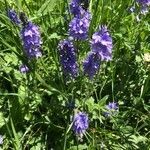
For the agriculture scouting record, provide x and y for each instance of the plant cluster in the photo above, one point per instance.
(75, 75)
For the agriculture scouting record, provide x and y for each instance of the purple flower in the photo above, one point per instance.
(144, 2)
(80, 123)
(111, 108)
(79, 25)
(92, 64)
(68, 57)
(13, 16)
(144, 10)
(75, 8)
(101, 43)
(23, 68)
(144, 6)
(31, 40)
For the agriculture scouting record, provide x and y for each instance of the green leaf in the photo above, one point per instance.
(80, 147)
(138, 139)
(54, 36)
(2, 122)
(16, 137)
(21, 94)
(48, 6)
(90, 104)
(102, 102)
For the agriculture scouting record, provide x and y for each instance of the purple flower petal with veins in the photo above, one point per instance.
(80, 123)
(79, 25)
(31, 40)
(101, 43)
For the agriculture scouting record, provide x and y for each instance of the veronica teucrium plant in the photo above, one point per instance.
(31, 40)
(80, 123)
(13, 16)
(74, 96)
(144, 2)
(101, 43)
(112, 108)
(67, 55)
(75, 7)
(79, 25)
(91, 64)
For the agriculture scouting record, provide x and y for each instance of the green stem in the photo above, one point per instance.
(65, 141)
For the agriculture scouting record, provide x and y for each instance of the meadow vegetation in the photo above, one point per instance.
(75, 75)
